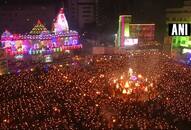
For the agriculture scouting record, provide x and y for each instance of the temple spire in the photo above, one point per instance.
(61, 24)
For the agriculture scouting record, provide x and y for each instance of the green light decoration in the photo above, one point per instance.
(181, 41)
(123, 31)
(119, 35)
(127, 30)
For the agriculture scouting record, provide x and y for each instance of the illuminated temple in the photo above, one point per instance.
(41, 41)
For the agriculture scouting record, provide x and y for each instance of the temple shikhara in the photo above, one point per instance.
(41, 41)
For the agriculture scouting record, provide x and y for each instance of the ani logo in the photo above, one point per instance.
(179, 29)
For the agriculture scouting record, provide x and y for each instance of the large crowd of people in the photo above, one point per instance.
(78, 95)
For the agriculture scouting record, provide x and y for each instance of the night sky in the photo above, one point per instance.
(143, 11)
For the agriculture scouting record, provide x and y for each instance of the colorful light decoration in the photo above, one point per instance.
(130, 41)
(124, 21)
(61, 24)
(133, 34)
(130, 83)
(38, 28)
(42, 41)
(181, 41)
(143, 32)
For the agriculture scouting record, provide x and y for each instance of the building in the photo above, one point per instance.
(72, 12)
(131, 38)
(103, 14)
(86, 13)
(82, 11)
(144, 32)
(178, 46)
(134, 35)
(40, 42)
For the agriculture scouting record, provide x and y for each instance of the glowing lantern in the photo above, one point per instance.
(117, 86)
(124, 91)
(130, 71)
(101, 76)
(114, 81)
(98, 93)
(126, 85)
(129, 92)
(139, 76)
(146, 89)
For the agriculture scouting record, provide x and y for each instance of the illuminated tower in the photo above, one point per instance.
(61, 24)
(123, 32)
(38, 28)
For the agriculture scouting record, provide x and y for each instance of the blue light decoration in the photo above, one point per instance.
(46, 67)
(188, 58)
(30, 51)
(12, 43)
(75, 42)
(70, 41)
(53, 39)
